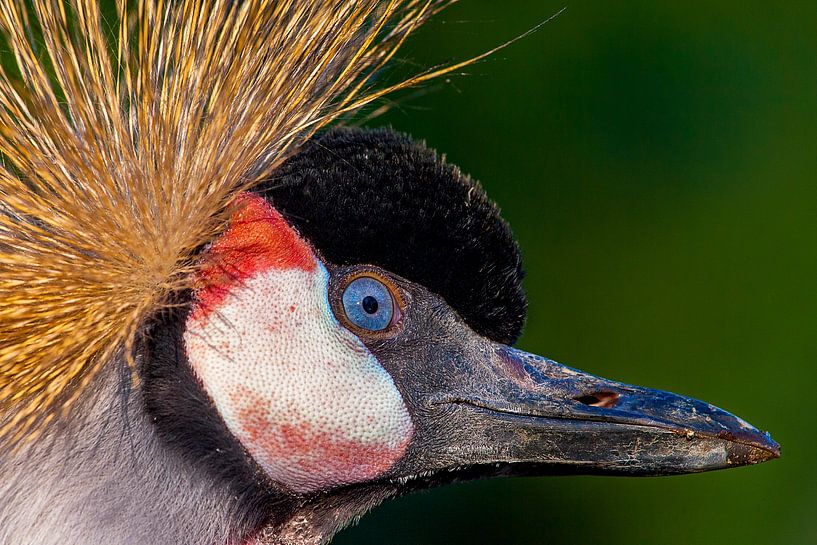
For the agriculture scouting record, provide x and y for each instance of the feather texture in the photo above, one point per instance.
(124, 143)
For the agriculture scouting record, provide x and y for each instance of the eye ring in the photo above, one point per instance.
(369, 303)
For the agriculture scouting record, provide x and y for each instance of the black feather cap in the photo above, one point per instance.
(375, 196)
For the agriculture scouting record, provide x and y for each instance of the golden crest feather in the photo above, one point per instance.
(123, 143)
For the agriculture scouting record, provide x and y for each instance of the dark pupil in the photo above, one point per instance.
(369, 304)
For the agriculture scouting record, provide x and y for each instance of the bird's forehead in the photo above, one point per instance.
(258, 239)
(377, 197)
(303, 395)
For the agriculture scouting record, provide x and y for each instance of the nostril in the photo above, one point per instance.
(607, 400)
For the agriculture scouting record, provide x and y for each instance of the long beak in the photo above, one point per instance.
(527, 414)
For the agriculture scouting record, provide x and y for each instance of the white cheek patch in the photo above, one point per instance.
(302, 394)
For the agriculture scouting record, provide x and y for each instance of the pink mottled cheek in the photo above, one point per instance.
(302, 394)
(311, 450)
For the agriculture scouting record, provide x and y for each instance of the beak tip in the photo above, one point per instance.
(772, 447)
(755, 450)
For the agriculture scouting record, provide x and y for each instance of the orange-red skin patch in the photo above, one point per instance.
(258, 239)
(312, 450)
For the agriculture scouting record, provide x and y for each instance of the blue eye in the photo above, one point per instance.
(368, 303)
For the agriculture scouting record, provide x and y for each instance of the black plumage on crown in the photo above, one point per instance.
(375, 196)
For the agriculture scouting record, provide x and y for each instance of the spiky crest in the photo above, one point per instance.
(123, 144)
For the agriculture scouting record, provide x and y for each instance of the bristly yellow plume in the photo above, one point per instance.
(124, 141)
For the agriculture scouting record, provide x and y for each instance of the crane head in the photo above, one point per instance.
(350, 339)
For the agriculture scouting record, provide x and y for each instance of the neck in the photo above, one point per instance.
(109, 475)
(106, 477)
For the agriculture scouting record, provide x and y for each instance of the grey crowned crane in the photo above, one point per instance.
(220, 326)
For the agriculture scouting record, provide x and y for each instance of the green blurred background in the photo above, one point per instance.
(657, 161)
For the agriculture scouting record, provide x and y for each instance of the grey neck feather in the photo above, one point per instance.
(106, 478)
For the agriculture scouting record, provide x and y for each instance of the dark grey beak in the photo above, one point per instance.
(542, 412)
(510, 412)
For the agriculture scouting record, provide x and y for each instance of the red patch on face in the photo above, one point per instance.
(347, 461)
(323, 459)
(258, 239)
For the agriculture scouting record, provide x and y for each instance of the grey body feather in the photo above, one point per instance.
(106, 478)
